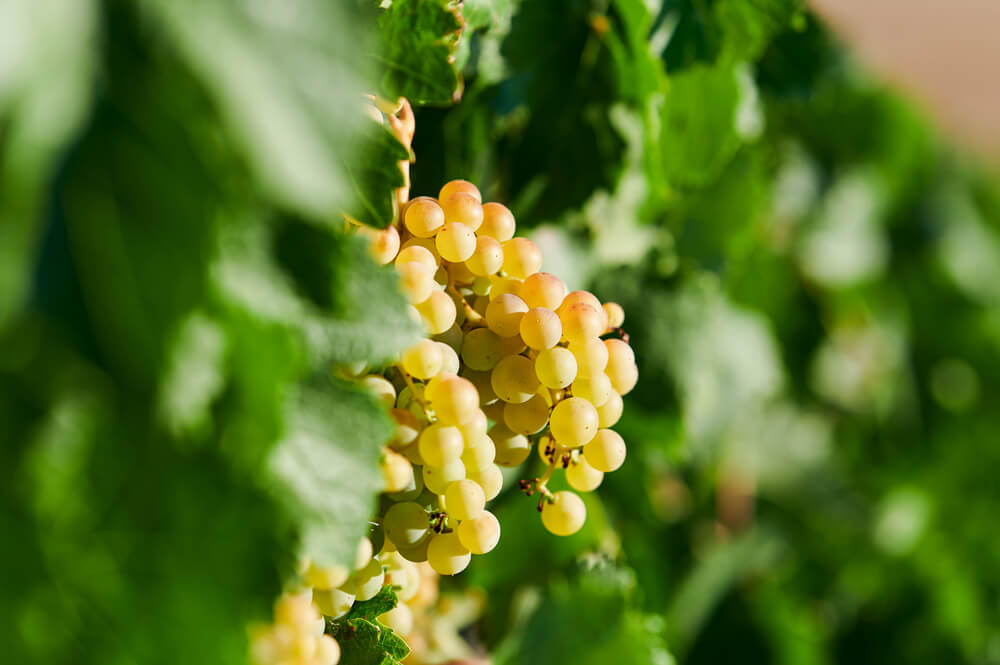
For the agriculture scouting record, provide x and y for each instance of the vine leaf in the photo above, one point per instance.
(364, 641)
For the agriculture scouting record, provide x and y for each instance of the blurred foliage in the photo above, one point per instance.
(809, 274)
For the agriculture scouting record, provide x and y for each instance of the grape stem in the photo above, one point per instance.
(413, 390)
(471, 315)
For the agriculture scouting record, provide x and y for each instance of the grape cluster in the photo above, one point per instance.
(296, 637)
(512, 360)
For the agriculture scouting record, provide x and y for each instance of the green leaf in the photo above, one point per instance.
(699, 133)
(362, 639)
(376, 177)
(373, 608)
(486, 14)
(418, 42)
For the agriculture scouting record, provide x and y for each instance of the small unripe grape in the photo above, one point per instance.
(490, 479)
(381, 388)
(455, 242)
(464, 208)
(595, 388)
(440, 444)
(498, 222)
(573, 422)
(591, 355)
(447, 555)
(565, 514)
(482, 349)
(368, 580)
(422, 360)
(326, 577)
(609, 412)
(481, 455)
(540, 328)
(556, 368)
(450, 364)
(383, 245)
(580, 322)
(416, 281)
(481, 285)
(464, 499)
(406, 524)
(327, 650)
(513, 379)
(511, 448)
(615, 314)
(475, 427)
(437, 479)
(543, 289)
(418, 552)
(623, 379)
(504, 313)
(397, 472)
(333, 603)
(486, 259)
(521, 258)
(398, 619)
(453, 337)
(528, 417)
(423, 217)
(437, 312)
(582, 477)
(501, 285)
(480, 535)
(606, 451)
(459, 186)
(456, 401)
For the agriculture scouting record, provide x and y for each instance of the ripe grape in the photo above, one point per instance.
(609, 412)
(416, 280)
(587, 298)
(513, 379)
(580, 322)
(464, 208)
(528, 417)
(397, 472)
(367, 581)
(383, 245)
(423, 217)
(437, 479)
(447, 555)
(440, 444)
(455, 401)
(615, 314)
(381, 388)
(521, 258)
(406, 524)
(503, 315)
(595, 388)
(573, 422)
(455, 242)
(555, 368)
(502, 285)
(459, 186)
(334, 603)
(498, 222)
(464, 499)
(480, 535)
(591, 355)
(543, 289)
(450, 364)
(490, 479)
(399, 619)
(623, 379)
(582, 477)
(511, 448)
(482, 349)
(326, 577)
(475, 428)
(564, 513)
(422, 360)
(437, 312)
(486, 259)
(606, 451)
(417, 254)
(479, 456)
(540, 328)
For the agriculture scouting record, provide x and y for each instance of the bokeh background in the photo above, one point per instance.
(810, 270)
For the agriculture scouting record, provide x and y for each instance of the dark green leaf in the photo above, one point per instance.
(376, 176)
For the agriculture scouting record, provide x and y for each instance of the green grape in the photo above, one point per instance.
(334, 603)
(580, 322)
(474, 428)
(504, 313)
(615, 314)
(540, 328)
(407, 428)
(564, 514)
(482, 349)
(455, 401)
(423, 217)
(582, 477)
(459, 186)
(480, 535)
(486, 260)
(481, 455)
(490, 479)
(447, 555)
(417, 552)
(606, 451)
(481, 380)
(440, 444)
(463, 208)
(399, 619)
(418, 254)
(450, 364)
(423, 359)
(521, 258)
(481, 285)
(416, 281)
(453, 337)
(573, 422)
(595, 388)
(437, 479)
(437, 313)
(591, 355)
(623, 379)
(556, 367)
(498, 222)
(455, 242)
(528, 417)
(368, 580)
(381, 388)
(326, 577)
(411, 491)
(609, 412)
(514, 380)
(511, 448)
(543, 289)
(406, 524)
(464, 499)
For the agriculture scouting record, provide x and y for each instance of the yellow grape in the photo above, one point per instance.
(620, 354)
(364, 554)
(461, 275)
(383, 245)
(482, 349)
(623, 379)
(475, 427)
(595, 388)
(486, 259)
(480, 535)
(368, 580)
(455, 401)
(481, 380)
(609, 412)
(407, 428)
(459, 186)
(521, 258)
(511, 448)
(582, 477)
(556, 368)
(512, 345)
(464, 499)
(423, 217)
(543, 289)
(333, 603)
(540, 328)
(440, 444)
(513, 379)
(615, 314)
(580, 322)
(397, 472)
(490, 479)
(437, 312)
(480, 455)
(422, 360)
(591, 355)
(437, 479)
(503, 315)
(450, 364)
(528, 417)
(464, 208)
(381, 388)
(606, 451)
(447, 555)
(326, 577)
(431, 386)
(501, 285)
(398, 619)
(587, 298)
(455, 242)
(498, 222)
(416, 280)
(418, 254)
(564, 514)
(573, 422)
